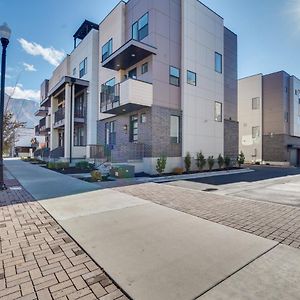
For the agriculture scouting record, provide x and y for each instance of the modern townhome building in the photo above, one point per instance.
(69, 100)
(168, 79)
(269, 118)
(156, 78)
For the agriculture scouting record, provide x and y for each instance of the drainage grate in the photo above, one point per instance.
(209, 190)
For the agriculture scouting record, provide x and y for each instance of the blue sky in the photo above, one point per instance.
(268, 32)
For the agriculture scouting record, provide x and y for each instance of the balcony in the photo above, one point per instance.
(37, 130)
(128, 55)
(128, 96)
(42, 112)
(59, 117)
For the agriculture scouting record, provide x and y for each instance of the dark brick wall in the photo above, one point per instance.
(154, 134)
(275, 147)
(231, 139)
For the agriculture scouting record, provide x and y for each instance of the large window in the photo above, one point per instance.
(255, 103)
(174, 76)
(218, 112)
(110, 133)
(107, 50)
(255, 132)
(191, 78)
(83, 68)
(175, 129)
(140, 29)
(134, 130)
(79, 136)
(218, 62)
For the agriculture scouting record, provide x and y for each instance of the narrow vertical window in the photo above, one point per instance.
(175, 129)
(83, 68)
(107, 50)
(144, 68)
(191, 78)
(255, 132)
(134, 130)
(174, 76)
(255, 103)
(218, 112)
(218, 63)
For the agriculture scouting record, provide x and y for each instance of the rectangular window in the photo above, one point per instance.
(218, 112)
(134, 129)
(299, 107)
(191, 78)
(143, 118)
(218, 63)
(144, 68)
(255, 132)
(107, 50)
(255, 103)
(110, 133)
(175, 129)
(132, 74)
(74, 72)
(83, 68)
(79, 136)
(140, 29)
(174, 76)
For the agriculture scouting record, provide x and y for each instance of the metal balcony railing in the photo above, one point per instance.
(110, 97)
(59, 115)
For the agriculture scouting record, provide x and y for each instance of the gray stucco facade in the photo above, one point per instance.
(231, 126)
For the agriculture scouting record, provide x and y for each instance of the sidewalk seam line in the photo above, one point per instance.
(240, 269)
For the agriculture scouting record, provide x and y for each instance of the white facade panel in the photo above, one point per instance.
(202, 36)
(294, 106)
(249, 118)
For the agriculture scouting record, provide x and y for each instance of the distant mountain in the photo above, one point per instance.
(23, 110)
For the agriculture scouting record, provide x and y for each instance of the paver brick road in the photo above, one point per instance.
(38, 260)
(273, 221)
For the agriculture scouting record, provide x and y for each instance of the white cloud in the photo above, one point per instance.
(51, 55)
(19, 92)
(29, 68)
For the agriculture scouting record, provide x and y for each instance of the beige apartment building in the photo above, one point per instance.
(269, 118)
(154, 78)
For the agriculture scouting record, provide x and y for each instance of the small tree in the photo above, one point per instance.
(227, 162)
(10, 127)
(241, 159)
(161, 165)
(200, 160)
(220, 161)
(211, 162)
(188, 162)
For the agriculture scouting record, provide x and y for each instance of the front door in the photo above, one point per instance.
(134, 130)
(61, 139)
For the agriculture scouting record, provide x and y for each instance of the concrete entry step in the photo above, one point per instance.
(154, 252)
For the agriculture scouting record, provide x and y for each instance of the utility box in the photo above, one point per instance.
(122, 171)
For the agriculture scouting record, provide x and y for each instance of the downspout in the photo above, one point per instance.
(71, 119)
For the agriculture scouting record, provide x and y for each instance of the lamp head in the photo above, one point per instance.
(5, 31)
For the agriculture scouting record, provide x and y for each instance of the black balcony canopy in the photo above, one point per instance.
(84, 30)
(128, 55)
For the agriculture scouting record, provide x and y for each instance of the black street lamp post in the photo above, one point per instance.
(4, 36)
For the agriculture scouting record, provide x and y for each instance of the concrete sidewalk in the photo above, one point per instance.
(43, 183)
(154, 252)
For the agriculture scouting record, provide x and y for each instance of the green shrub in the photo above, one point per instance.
(96, 175)
(161, 165)
(220, 161)
(83, 165)
(200, 161)
(188, 162)
(241, 159)
(57, 165)
(227, 162)
(211, 162)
